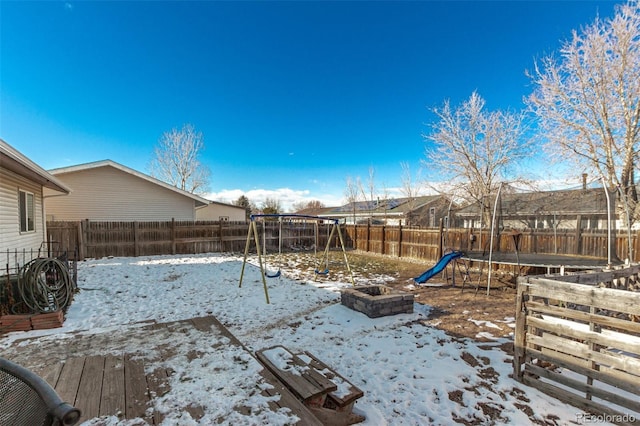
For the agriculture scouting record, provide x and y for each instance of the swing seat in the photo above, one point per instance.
(275, 275)
(319, 272)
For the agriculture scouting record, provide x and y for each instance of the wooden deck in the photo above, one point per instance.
(117, 385)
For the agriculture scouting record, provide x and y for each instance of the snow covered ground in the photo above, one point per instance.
(411, 373)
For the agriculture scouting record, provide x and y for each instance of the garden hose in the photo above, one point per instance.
(45, 285)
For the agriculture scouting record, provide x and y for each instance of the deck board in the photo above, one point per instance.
(113, 391)
(135, 388)
(69, 380)
(118, 384)
(50, 373)
(158, 384)
(90, 387)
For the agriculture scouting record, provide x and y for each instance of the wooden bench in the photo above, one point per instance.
(328, 395)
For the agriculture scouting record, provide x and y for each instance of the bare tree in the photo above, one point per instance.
(177, 161)
(351, 193)
(475, 149)
(410, 189)
(271, 206)
(383, 199)
(368, 193)
(372, 185)
(315, 204)
(588, 102)
(303, 205)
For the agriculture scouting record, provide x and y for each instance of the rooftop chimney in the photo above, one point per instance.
(584, 181)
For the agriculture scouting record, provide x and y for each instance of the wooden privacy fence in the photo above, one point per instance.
(93, 239)
(98, 239)
(579, 341)
(101, 239)
(429, 243)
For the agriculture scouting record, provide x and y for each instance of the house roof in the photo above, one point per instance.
(391, 206)
(566, 202)
(14, 160)
(315, 211)
(220, 203)
(109, 163)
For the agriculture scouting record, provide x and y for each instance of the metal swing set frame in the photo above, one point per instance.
(252, 234)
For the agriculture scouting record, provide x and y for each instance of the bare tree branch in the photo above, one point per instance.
(410, 189)
(351, 192)
(588, 101)
(177, 162)
(473, 148)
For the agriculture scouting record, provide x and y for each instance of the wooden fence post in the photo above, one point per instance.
(368, 245)
(355, 236)
(80, 240)
(520, 331)
(85, 238)
(400, 240)
(136, 248)
(578, 243)
(173, 235)
(440, 236)
(382, 242)
(221, 239)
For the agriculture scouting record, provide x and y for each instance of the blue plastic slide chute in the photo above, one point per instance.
(438, 267)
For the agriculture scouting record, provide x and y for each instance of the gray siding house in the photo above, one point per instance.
(584, 208)
(424, 211)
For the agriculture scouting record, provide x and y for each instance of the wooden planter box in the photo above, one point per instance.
(26, 322)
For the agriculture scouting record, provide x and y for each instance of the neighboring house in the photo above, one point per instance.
(22, 206)
(425, 211)
(222, 212)
(108, 191)
(567, 209)
(314, 211)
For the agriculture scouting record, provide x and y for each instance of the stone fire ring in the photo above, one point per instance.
(377, 300)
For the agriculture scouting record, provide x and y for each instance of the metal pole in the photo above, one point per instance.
(624, 197)
(264, 279)
(606, 192)
(493, 221)
(448, 221)
(280, 235)
(246, 252)
(344, 252)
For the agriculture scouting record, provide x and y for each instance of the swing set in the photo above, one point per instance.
(322, 264)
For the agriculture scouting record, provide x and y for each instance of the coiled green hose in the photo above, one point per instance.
(45, 285)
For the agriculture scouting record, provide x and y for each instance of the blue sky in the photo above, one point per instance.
(291, 97)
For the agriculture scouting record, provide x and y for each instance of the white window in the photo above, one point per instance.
(27, 210)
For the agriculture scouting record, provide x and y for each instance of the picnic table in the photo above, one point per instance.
(327, 394)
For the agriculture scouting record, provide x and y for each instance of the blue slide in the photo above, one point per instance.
(438, 267)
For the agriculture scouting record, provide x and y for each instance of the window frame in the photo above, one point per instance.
(26, 212)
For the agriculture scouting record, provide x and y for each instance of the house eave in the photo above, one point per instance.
(14, 161)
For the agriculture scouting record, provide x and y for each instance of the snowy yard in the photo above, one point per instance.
(411, 372)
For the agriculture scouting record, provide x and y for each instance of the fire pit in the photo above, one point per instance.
(377, 300)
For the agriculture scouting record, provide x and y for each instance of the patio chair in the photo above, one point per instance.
(27, 399)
